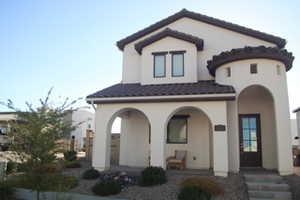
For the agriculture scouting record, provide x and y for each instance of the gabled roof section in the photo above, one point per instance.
(169, 33)
(280, 42)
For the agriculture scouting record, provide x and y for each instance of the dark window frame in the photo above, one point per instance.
(253, 68)
(162, 53)
(172, 67)
(184, 117)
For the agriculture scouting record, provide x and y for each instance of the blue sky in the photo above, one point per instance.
(70, 44)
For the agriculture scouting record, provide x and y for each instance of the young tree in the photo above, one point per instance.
(34, 137)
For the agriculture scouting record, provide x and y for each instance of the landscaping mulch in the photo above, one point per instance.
(233, 185)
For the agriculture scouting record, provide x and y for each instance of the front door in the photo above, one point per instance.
(250, 140)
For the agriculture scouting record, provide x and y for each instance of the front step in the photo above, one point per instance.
(268, 186)
(270, 195)
(264, 178)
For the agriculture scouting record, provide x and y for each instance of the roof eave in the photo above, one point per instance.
(160, 99)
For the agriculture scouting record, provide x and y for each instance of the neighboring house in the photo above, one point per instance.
(4, 128)
(84, 120)
(191, 82)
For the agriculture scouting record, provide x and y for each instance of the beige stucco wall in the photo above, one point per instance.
(216, 40)
(276, 84)
(170, 44)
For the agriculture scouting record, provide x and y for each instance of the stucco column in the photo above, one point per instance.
(220, 141)
(158, 141)
(233, 136)
(101, 142)
(283, 131)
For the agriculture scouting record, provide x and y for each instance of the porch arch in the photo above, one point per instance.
(258, 101)
(199, 144)
(134, 134)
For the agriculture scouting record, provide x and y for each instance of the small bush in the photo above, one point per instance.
(73, 164)
(205, 184)
(70, 155)
(106, 188)
(91, 174)
(6, 191)
(191, 192)
(153, 176)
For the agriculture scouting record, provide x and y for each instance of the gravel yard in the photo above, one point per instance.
(233, 185)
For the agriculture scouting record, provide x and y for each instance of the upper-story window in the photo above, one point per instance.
(177, 63)
(253, 68)
(159, 64)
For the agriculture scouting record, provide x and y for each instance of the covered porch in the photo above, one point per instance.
(152, 132)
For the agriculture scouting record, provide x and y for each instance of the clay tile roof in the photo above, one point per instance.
(280, 42)
(171, 33)
(138, 90)
(248, 53)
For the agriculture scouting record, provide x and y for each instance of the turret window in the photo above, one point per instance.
(228, 72)
(253, 68)
(278, 70)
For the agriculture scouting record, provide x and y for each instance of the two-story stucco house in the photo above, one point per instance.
(192, 82)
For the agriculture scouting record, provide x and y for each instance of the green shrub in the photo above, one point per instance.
(153, 176)
(6, 191)
(70, 155)
(106, 188)
(191, 192)
(69, 182)
(11, 167)
(73, 164)
(205, 184)
(90, 174)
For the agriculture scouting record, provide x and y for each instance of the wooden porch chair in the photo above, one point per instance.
(178, 161)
